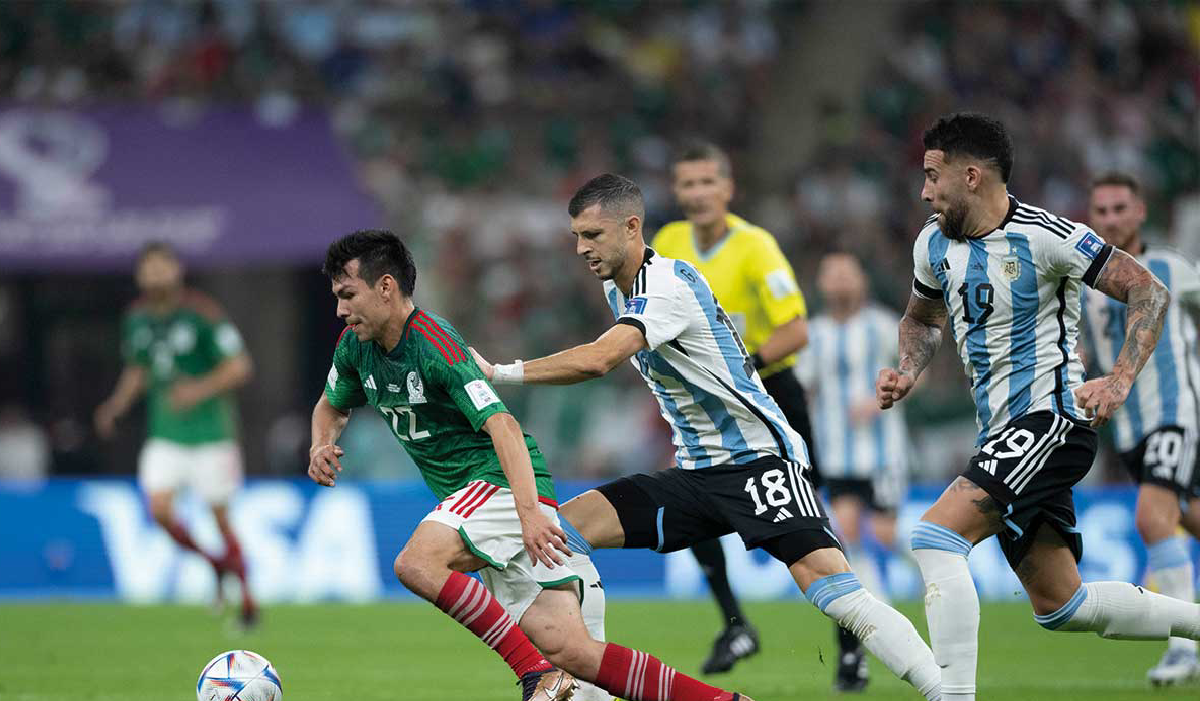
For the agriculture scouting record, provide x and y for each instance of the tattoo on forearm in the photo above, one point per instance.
(920, 333)
(1126, 280)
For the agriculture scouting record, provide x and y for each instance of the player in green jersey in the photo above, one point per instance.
(498, 514)
(184, 355)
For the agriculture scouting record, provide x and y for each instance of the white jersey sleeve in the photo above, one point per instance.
(925, 280)
(1081, 255)
(657, 310)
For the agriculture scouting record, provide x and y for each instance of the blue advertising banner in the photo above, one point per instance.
(94, 539)
(84, 189)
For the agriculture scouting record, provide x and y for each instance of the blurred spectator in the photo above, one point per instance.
(24, 446)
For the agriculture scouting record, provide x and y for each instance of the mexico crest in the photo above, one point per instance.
(416, 390)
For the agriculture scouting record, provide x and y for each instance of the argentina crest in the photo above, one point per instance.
(1011, 267)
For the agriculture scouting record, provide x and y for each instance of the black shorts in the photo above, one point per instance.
(1166, 457)
(789, 394)
(1029, 468)
(878, 500)
(768, 502)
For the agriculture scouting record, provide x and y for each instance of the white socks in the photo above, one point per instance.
(592, 607)
(951, 607)
(883, 630)
(1173, 575)
(1122, 611)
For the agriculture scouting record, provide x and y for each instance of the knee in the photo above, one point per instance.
(160, 509)
(1154, 525)
(409, 566)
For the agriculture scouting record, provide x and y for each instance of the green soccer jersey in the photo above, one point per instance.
(188, 342)
(435, 399)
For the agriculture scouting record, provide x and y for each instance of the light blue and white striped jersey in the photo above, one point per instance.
(1013, 301)
(839, 368)
(1165, 391)
(698, 370)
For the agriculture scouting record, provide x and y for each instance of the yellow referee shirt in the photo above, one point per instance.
(747, 272)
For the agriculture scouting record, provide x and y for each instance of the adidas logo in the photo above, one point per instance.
(742, 645)
(783, 513)
(370, 383)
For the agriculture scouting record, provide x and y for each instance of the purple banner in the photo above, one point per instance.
(83, 190)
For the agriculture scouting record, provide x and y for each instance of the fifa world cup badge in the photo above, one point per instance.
(1012, 268)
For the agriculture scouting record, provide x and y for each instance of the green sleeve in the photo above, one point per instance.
(135, 342)
(343, 386)
(226, 342)
(469, 388)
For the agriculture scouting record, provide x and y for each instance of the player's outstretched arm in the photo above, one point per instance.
(541, 536)
(328, 422)
(920, 337)
(1126, 280)
(130, 386)
(571, 366)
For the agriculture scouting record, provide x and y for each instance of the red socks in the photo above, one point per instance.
(466, 600)
(637, 676)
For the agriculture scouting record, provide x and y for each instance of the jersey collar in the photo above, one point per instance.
(1012, 210)
(395, 352)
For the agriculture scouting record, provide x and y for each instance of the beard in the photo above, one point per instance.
(953, 222)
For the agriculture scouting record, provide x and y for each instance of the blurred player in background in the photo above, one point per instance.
(498, 513)
(1008, 276)
(184, 354)
(864, 452)
(740, 468)
(756, 287)
(1155, 430)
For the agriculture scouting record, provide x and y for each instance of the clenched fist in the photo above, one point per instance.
(892, 386)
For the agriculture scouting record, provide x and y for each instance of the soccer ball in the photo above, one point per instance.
(239, 675)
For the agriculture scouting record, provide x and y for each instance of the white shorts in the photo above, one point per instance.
(212, 470)
(485, 515)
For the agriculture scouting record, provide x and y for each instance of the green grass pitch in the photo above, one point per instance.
(393, 651)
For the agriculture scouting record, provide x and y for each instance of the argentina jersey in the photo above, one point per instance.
(1165, 391)
(839, 368)
(1013, 301)
(698, 370)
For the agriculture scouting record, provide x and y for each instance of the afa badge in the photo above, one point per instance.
(1011, 267)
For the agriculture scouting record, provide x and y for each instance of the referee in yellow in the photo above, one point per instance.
(755, 285)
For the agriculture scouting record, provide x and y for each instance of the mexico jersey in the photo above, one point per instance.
(748, 273)
(698, 370)
(1165, 391)
(187, 342)
(839, 367)
(1013, 301)
(434, 398)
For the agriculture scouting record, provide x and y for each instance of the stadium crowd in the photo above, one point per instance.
(472, 121)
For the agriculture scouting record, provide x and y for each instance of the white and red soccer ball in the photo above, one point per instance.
(239, 675)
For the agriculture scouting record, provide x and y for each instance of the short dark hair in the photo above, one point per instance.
(1120, 178)
(612, 193)
(704, 151)
(973, 134)
(378, 252)
(156, 248)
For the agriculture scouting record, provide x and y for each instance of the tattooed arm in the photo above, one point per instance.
(1125, 280)
(920, 336)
